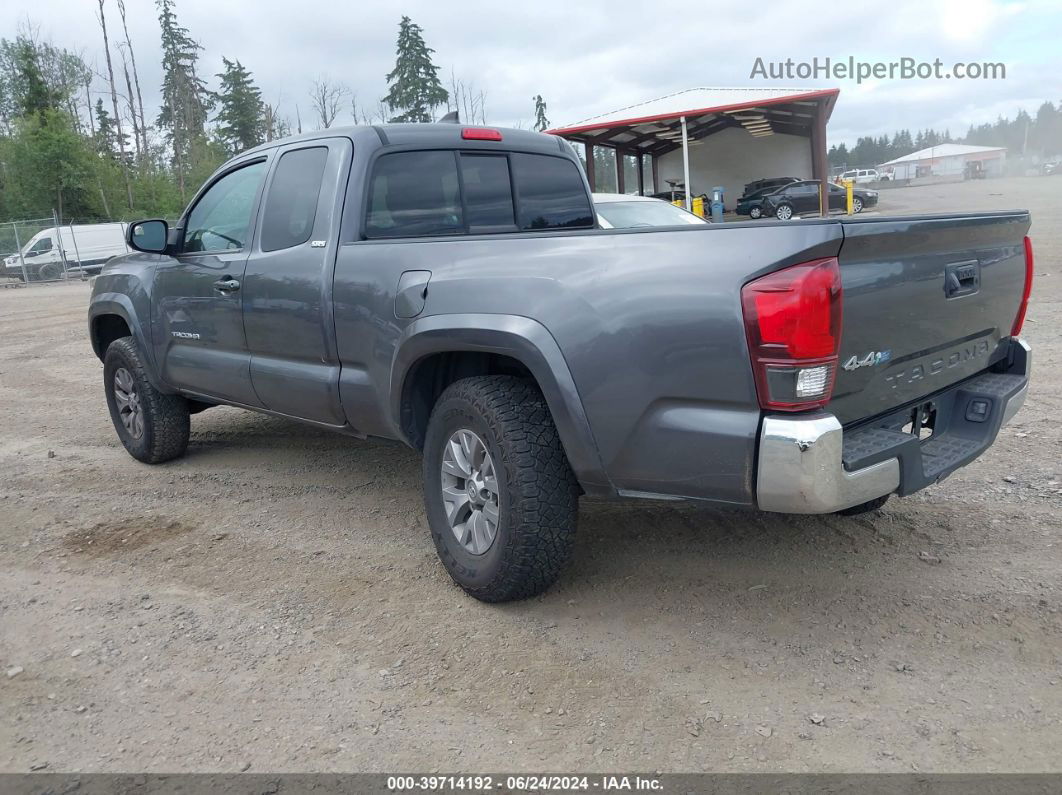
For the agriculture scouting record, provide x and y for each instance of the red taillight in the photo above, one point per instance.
(793, 326)
(1019, 319)
(480, 134)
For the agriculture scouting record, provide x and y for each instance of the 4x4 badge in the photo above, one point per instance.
(871, 359)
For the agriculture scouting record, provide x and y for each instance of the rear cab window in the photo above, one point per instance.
(455, 192)
(291, 205)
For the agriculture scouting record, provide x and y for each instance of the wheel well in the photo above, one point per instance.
(430, 376)
(105, 330)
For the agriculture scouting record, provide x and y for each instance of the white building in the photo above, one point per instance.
(947, 160)
(709, 137)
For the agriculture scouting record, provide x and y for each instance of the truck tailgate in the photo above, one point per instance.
(927, 301)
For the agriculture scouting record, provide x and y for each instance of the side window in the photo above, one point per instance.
(291, 205)
(488, 193)
(550, 193)
(42, 245)
(412, 194)
(221, 218)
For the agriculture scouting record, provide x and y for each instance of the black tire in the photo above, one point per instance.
(857, 204)
(781, 209)
(755, 213)
(537, 492)
(165, 417)
(864, 507)
(49, 272)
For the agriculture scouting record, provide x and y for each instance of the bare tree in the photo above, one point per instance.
(137, 138)
(276, 126)
(381, 114)
(359, 114)
(326, 98)
(136, 79)
(114, 103)
(88, 103)
(469, 102)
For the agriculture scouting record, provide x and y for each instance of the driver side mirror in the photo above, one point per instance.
(148, 236)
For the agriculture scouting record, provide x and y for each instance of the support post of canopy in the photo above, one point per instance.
(590, 176)
(686, 165)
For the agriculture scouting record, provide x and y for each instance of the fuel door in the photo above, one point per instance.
(411, 294)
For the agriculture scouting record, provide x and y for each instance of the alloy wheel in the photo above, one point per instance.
(470, 491)
(127, 398)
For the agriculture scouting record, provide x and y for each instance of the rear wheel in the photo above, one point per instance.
(784, 212)
(49, 272)
(152, 426)
(500, 496)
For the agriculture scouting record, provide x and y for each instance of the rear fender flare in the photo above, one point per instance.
(530, 343)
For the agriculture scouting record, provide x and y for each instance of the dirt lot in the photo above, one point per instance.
(273, 601)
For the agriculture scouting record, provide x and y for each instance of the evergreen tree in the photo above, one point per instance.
(414, 86)
(541, 122)
(106, 135)
(34, 95)
(1048, 130)
(241, 117)
(838, 156)
(185, 97)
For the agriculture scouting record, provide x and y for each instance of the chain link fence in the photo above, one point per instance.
(40, 250)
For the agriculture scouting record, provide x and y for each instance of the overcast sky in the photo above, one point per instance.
(587, 57)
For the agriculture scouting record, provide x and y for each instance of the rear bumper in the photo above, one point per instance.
(810, 464)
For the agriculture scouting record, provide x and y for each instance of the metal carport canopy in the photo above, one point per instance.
(661, 125)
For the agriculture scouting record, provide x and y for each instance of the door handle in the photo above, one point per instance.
(227, 285)
(961, 278)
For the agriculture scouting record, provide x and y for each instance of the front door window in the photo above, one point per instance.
(221, 219)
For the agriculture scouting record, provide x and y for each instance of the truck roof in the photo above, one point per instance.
(429, 135)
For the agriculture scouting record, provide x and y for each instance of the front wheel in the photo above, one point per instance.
(755, 212)
(857, 204)
(152, 426)
(500, 496)
(784, 212)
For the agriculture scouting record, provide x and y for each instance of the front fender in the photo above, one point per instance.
(530, 343)
(120, 304)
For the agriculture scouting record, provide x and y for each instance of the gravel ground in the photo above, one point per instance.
(272, 601)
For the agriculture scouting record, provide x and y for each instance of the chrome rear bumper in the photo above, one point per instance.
(801, 468)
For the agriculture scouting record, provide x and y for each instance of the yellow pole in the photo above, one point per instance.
(848, 183)
(698, 206)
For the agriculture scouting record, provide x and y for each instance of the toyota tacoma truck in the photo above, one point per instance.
(449, 287)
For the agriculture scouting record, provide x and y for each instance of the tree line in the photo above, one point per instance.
(76, 139)
(1039, 135)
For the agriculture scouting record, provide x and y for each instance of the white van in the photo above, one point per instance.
(87, 247)
(862, 175)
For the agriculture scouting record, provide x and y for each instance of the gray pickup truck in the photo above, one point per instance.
(449, 287)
